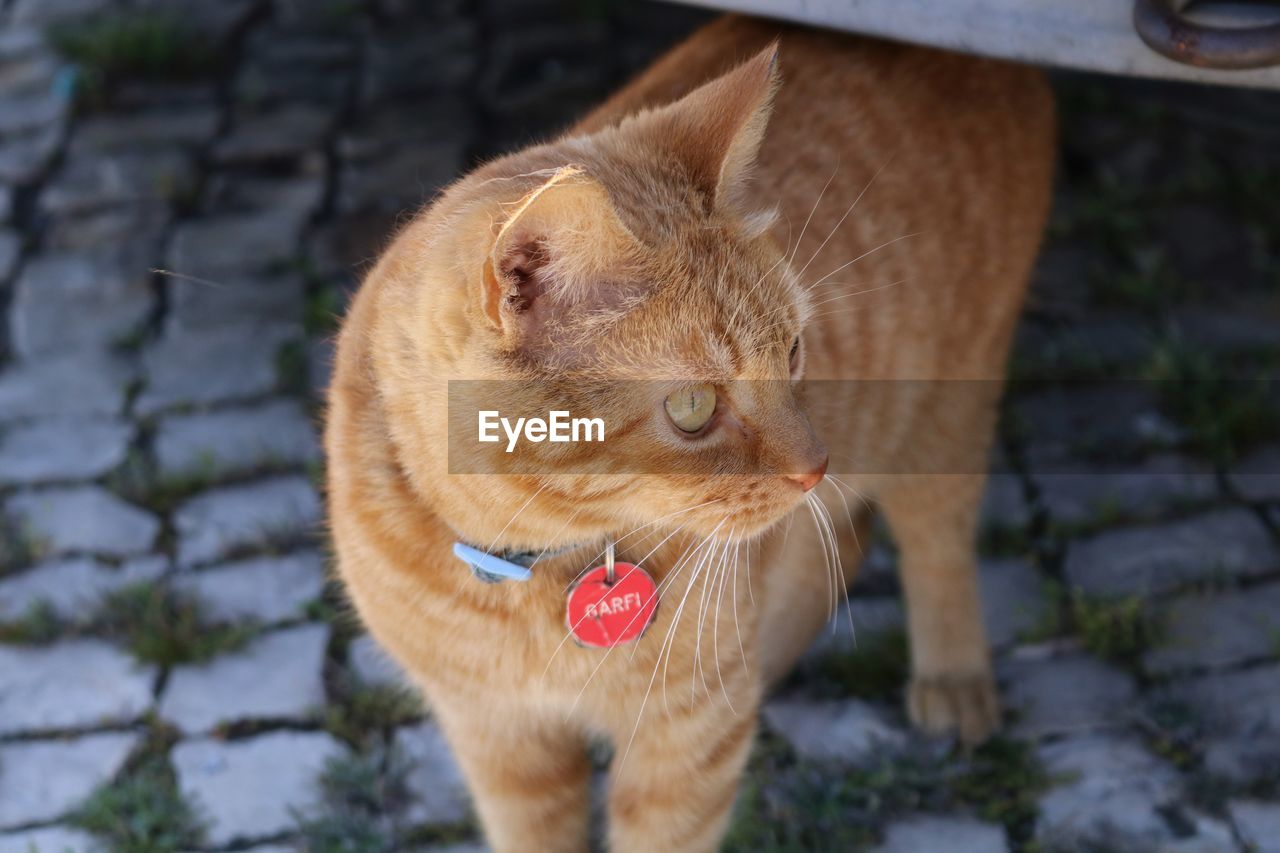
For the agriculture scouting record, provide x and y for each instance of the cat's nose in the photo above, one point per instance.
(812, 478)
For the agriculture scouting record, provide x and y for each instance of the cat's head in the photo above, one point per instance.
(627, 268)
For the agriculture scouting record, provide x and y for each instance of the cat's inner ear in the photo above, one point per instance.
(561, 246)
(716, 129)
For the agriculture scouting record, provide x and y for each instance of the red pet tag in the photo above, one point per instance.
(608, 608)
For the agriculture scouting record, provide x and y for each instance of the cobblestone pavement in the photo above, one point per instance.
(176, 673)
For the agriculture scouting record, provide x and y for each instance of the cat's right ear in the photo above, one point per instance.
(561, 246)
(716, 129)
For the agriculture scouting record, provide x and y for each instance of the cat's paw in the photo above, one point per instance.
(966, 705)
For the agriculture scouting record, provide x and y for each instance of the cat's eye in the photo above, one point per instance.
(691, 407)
(794, 357)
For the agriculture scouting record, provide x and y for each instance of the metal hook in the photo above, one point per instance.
(610, 559)
(1167, 30)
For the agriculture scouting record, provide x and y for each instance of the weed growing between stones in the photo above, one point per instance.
(359, 794)
(157, 625)
(324, 309)
(137, 481)
(1224, 416)
(291, 368)
(18, 547)
(142, 811)
(1115, 629)
(1118, 630)
(1173, 731)
(1146, 281)
(788, 806)
(160, 626)
(365, 711)
(134, 45)
(1052, 621)
(876, 669)
(1000, 539)
(38, 626)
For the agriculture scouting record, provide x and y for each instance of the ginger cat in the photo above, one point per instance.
(639, 246)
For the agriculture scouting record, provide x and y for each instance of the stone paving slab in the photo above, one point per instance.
(197, 304)
(234, 441)
(182, 127)
(839, 730)
(32, 112)
(70, 684)
(69, 302)
(42, 12)
(66, 386)
(1218, 546)
(82, 519)
(134, 233)
(1070, 422)
(63, 449)
(73, 588)
(439, 794)
(925, 832)
(280, 134)
(1218, 630)
(232, 245)
(218, 523)
(263, 589)
(373, 666)
(53, 839)
(10, 242)
(254, 788)
(1258, 824)
(1114, 797)
(44, 780)
(1093, 493)
(299, 194)
(858, 620)
(24, 158)
(1066, 695)
(1239, 713)
(1016, 599)
(1257, 477)
(275, 677)
(87, 183)
(213, 366)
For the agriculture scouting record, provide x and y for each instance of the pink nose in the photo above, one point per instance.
(813, 478)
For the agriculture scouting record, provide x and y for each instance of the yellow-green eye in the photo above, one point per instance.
(691, 407)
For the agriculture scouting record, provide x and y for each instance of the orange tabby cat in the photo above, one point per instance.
(640, 246)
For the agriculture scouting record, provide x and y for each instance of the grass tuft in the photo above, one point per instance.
(360, 796)
(791, 807)
(364, 712)
(137, 44)
(1118, 630)
(38, 626)
(1223, 416)
(160, 626)
(142, 810)
(877, 669)
(18, 547)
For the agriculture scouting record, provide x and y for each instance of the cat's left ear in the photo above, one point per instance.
(716, 129)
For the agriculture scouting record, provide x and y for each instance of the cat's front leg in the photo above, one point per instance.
(528, 777)
(673, 787)
(933, 519)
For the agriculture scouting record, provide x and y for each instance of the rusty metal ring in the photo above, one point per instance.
(1161, 24)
